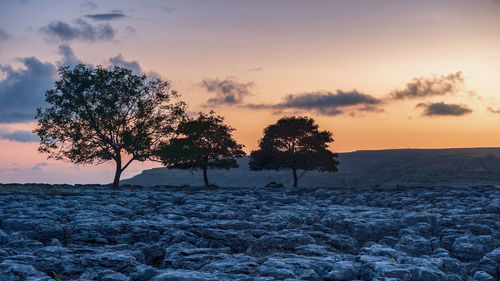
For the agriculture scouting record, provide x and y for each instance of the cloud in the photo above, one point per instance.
(255, 69)
(426, 87)
(81, 30)
(39, 166)
(130, 29)
(88, 4)
(132, 65)
(68, 56)
(22, 90)
(113, 15)
(3, 35)
(327, 103)
(444, 109)
(492, 110)
(167, 9)
(474, 95)
(227, 91)
(18, 135)
(354, 102)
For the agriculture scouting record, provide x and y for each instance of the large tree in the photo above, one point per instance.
(98, 114)
(295, 143)
(202, 143)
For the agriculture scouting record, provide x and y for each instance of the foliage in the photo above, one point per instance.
(202, 143)
(97, 114)
(295, 143)
(56, 277)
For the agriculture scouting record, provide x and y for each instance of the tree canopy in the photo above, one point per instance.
(202, 143)
(295, 143)
(98, 114)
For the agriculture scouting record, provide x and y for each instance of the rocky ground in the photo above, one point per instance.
(93, 233)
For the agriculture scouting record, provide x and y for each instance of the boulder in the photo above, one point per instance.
(414, 245)
(468, 247)
(341, 271)
(4, 237)
(483, 276)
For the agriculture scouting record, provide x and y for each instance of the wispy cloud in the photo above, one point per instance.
(88, 4)
(226, 91)
(4, 36)
(81, 30)
(120, 61)
(39, 166)
(113, 15)
(492, 110)
(444, 109)
(167, 9)
(423, 87)
(68, 56)
(255, 69)
(18, 135)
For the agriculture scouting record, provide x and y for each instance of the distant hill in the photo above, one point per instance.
(410, 167)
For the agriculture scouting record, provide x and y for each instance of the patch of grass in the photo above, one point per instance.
(51, 191)
(56, 277)
(8, 188)
(319, 241)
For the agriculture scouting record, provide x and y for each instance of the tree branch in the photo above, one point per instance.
(128, 163)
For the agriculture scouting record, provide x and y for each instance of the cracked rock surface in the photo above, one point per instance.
(139, 234)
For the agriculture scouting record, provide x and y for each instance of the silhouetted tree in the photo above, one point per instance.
(203, 143)
(295, 143)
(96, 114)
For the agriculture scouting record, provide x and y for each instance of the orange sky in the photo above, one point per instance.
(277, 49)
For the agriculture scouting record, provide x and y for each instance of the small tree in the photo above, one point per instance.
(203, 143)
(96, 114)
(295, 143)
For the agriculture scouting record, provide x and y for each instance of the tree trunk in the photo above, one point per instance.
(205, 177)
(295, 179)
(118, 173)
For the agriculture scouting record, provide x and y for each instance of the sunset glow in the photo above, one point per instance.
(379, 74)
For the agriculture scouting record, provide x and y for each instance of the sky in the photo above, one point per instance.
(379, 74)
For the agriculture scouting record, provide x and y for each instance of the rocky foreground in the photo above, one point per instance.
(92, 233)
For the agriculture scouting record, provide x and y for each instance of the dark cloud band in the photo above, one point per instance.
(81, 30)
(113, 15)
(327, 103)
(444, 109)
